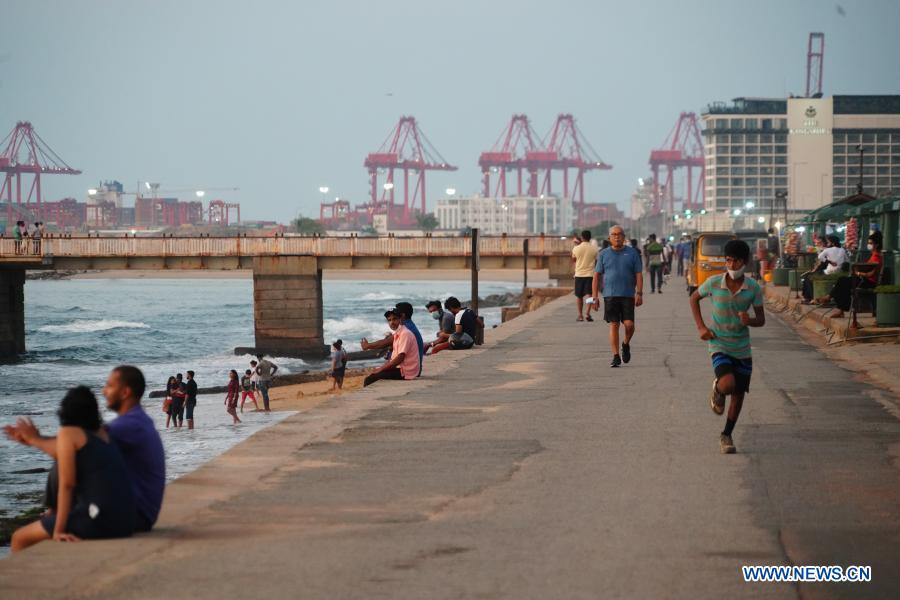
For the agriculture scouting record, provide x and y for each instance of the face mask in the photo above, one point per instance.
(870, 247)
(736, 273)
(436, 315)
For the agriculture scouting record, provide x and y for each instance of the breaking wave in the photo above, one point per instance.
(88, 326)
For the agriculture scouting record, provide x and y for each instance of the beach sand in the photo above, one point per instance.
(304, 396)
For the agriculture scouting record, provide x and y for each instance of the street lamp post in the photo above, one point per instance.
(859, 185)
(782, 196)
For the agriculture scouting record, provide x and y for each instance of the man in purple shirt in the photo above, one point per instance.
(133, 432)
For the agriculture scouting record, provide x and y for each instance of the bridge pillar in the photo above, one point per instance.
(12, 313)
(562, 269)
(287, 306)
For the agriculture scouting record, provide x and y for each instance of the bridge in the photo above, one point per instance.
(287, 271)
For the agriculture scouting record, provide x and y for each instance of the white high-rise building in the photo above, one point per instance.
(518, 215)
(806, 147)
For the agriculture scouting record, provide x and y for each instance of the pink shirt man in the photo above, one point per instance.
(405, 342)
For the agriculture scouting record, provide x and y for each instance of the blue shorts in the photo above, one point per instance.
(741, 368)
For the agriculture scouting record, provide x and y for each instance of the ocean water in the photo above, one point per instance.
(78, 330)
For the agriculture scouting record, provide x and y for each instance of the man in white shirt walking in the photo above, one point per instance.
(584, 255)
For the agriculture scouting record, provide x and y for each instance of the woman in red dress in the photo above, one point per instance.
(231, 399)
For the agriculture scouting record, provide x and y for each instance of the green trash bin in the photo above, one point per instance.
(888, 314)
(780, 276)
(822, 286)
(794, 279)
(806, 261)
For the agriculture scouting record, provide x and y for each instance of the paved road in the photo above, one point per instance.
(532, 470)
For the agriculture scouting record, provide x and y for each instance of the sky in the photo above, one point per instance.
(281, 98)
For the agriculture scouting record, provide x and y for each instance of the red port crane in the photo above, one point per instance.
(815, 59)
(25, 153)
(406, 148)
(219, 212)
(682, 148)
(510, 153)
(564, 148)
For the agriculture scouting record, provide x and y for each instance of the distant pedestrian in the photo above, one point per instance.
(36, 237)
(584, 256)
(231, 398)
(266, 371)
(20, 233)
(247, 390)
(668, 255)
(634, 244)
(732, 295)
(167, 403)
(620, 274)
(178, 397)
(338, 364)
(254, 379)
(654, 256)
(190, 398)
(683, 253)
(773, 246)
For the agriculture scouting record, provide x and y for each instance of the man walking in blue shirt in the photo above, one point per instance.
(619, 274)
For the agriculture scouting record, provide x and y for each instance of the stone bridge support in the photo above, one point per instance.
(287, 306)
(562, 269)
(12, 313)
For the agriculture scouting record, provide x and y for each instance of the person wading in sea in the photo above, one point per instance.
(190, 398)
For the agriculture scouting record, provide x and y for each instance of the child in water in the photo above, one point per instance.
(247, 390)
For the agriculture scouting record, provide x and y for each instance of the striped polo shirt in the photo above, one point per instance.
(732, 338)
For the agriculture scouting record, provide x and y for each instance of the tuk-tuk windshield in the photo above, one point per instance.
(714, 245)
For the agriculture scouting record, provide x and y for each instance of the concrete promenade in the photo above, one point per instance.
(530, 469)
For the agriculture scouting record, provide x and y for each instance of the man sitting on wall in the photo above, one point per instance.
(405, 310)
(465, 323)
(404, 362)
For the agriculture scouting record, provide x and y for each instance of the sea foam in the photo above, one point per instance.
(90, 326)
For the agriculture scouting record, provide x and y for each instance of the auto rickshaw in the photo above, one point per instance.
(707, 257)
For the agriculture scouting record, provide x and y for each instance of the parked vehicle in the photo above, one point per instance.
(707, 257)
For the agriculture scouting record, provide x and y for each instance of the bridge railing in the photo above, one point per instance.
(273, 246)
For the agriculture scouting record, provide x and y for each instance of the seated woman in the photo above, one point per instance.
(842, 291)
(93, 497)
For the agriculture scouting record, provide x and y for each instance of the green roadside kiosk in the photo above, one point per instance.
(879, 214)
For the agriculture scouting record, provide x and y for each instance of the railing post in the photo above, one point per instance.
(525, 263)
(475, 267)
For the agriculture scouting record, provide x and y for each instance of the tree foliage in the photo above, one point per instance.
(307, 226)
(427, 222)
(600, 231)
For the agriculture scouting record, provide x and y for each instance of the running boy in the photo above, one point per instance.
(731, 295)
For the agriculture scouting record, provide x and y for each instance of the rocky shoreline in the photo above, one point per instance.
(52, 275)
